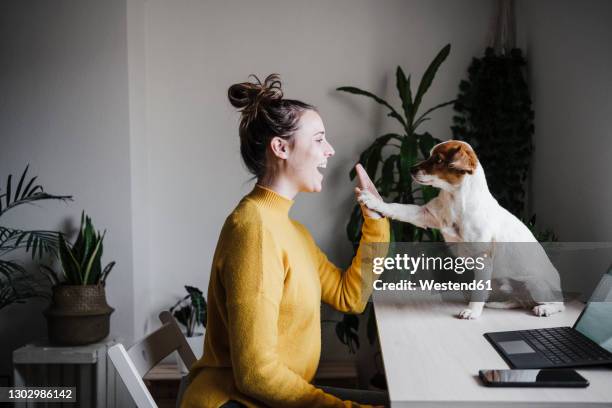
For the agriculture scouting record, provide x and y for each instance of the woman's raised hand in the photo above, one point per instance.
(365, 183)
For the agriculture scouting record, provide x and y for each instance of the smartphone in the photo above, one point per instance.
(533, 378)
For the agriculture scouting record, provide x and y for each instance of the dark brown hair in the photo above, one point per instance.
(265, 115)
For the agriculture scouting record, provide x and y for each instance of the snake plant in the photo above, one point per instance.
(81, 262)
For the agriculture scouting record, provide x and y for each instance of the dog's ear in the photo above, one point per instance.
(463, 159)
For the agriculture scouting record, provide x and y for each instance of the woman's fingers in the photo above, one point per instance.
(362, 176)
(365, 183)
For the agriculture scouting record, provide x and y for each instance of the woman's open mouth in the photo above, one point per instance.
(321, 166)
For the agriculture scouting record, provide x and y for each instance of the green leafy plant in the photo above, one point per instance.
(16, 285)
(81, 263)
(493, 114)
(389, 158)
(191, 310)
(387, 161)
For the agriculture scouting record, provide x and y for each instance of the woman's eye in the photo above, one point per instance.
(319, 140)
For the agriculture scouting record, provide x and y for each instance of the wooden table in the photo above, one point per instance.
(432, 358)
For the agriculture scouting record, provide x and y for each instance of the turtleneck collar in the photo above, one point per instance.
(271, 199)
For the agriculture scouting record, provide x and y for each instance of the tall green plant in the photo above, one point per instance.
(387, 161)
(81, 263)
(16, 285)
(389, 158)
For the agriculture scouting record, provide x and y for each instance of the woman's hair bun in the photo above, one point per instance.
(265, 114)
(249, 97)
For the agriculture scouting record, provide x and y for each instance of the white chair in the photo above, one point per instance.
(135, 362)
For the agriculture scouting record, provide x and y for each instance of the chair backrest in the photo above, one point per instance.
(132, 364)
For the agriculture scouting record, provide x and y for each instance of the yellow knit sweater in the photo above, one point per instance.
(263, 334)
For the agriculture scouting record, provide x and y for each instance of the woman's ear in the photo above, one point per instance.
(280, 147)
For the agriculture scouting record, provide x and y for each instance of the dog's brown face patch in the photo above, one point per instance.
(449, 161)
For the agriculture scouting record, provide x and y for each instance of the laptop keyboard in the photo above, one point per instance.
(563, 345)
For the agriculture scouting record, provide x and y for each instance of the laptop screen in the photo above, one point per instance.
(596, 320)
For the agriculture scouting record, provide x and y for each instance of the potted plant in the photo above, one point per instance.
(191, 312)
(16, 284)
(387, 161)
(389, 158)
(79, 313)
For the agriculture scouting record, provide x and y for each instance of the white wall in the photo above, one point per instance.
(139, 165)
(196, 49)
(64, 110)
(567, 45)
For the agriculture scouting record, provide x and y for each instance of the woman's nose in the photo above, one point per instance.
(330, 150)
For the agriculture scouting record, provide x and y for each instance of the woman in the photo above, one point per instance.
(268, 278)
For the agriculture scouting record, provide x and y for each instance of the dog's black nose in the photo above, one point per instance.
(414, 170)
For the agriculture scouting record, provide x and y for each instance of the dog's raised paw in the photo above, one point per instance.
(469, 314)
(366, 198)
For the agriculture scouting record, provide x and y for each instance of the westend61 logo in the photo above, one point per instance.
(429, 263)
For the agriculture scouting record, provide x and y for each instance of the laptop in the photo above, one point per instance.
(587, 343)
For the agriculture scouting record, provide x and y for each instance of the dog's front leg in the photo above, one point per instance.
(473, 311)
(414, 214)
(478, 297)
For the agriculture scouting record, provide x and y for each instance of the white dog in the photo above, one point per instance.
(465, 211)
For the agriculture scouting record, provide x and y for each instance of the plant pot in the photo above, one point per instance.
(78, 315)
(196, 342)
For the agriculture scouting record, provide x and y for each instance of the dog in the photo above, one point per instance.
(465, 211)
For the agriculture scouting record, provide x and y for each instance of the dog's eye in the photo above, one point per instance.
(439, 160)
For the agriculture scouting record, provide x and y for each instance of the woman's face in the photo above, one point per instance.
(308, 152)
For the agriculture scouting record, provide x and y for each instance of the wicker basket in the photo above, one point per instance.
(78, 315)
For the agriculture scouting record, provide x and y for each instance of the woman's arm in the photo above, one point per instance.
(349, 291)
(253, 278)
